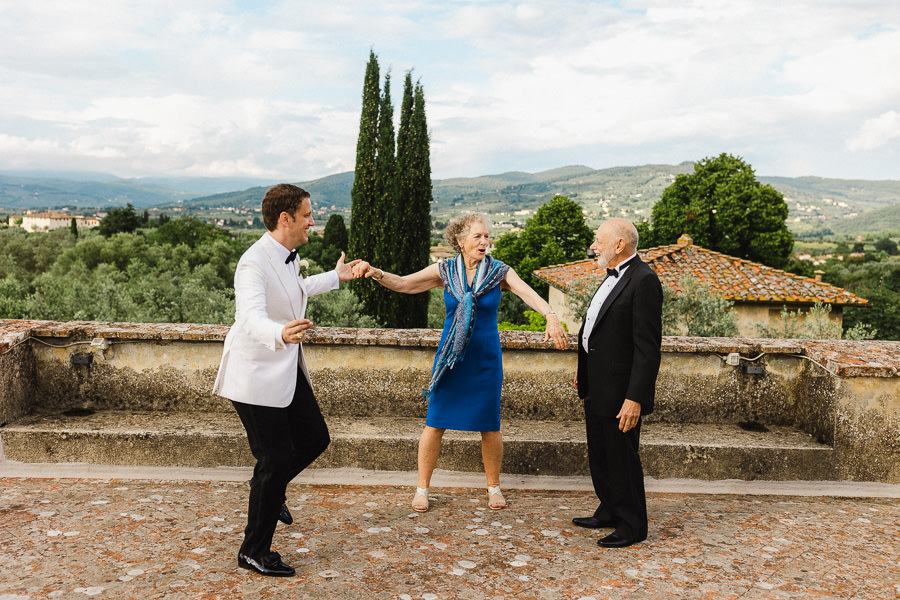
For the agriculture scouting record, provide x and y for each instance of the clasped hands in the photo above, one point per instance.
(350, 270)
(362, 268)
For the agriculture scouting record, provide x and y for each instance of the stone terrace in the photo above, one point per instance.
(76, 395)
(174, 539)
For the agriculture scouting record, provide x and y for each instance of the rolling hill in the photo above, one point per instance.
(817, 205)
(24, 190)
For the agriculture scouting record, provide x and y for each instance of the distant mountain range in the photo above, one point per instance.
(845, 207)
(21, 190)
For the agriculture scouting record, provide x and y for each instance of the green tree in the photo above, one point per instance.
(437, 310)
(13, 294)
(334, 241)
(363, 194)
(556, 234)
(579, 295)
(339, 308)
(189, 231)
(126, 277)
(335, 234)
(24, 255)
(887, 245)
(876, 281)
(801, 267)
(319, 252)
(384, 201)
(842, 248)
(697, 311)
(391, 195)
(646, 237)
(536, 322)
(723, 207)
(565, 219)
(815, 324)
(118, 220)
(73, 227)
(882, 314)
(411, 216)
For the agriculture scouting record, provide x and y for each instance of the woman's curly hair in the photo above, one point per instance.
(459, 227)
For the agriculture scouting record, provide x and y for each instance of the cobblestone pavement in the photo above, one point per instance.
(78, 538)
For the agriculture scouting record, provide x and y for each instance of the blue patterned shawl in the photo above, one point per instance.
(489, 273)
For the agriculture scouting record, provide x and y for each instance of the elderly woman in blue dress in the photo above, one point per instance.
(464, 391)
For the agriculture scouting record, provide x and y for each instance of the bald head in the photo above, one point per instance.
(616, 240)
(623, 230)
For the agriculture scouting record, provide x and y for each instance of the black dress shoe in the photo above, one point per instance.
(614, 540)
(285, 515)
(269, 565)
(592, 522)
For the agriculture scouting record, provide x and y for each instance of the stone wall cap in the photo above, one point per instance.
(845, 358)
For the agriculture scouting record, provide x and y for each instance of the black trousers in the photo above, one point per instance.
(617, 475)
(284, 441)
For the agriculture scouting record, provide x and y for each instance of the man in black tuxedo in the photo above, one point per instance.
(618, 361)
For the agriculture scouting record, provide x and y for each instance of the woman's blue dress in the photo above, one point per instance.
(467, 397)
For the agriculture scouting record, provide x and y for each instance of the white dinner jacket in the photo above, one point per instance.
(257, 366)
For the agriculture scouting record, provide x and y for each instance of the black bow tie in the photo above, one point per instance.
(291, 256)
(612, 273)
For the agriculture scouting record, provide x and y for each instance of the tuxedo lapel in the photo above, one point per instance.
(287, 283)
(624, 280)
(613, 294)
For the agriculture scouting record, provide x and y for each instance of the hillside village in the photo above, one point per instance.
(818, 207)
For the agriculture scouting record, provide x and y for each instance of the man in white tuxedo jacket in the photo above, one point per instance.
(264, 374)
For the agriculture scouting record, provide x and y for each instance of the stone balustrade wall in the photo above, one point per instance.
(846, 394)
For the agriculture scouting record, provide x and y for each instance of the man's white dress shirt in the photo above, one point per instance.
(599, 298)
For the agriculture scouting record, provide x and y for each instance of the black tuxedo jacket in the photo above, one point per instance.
(624, 346)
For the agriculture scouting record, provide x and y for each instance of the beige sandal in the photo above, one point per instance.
(420, 506)
(492, 492)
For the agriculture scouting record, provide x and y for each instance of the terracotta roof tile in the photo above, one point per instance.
(732, 278)
(51, 215)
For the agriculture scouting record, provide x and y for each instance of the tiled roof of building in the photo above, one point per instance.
(732, 278)
(50, 215)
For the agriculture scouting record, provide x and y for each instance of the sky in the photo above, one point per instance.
(273, 89)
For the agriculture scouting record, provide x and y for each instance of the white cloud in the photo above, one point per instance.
(274, 88)
(876, 133)
(729, 74)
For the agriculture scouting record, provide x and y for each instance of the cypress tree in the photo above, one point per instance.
(363, 193)
(335, 234)
(383, 225)
(391, 195)
(412, 211)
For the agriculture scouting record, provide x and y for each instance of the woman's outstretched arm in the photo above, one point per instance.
(414, 283)
(554, 329)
